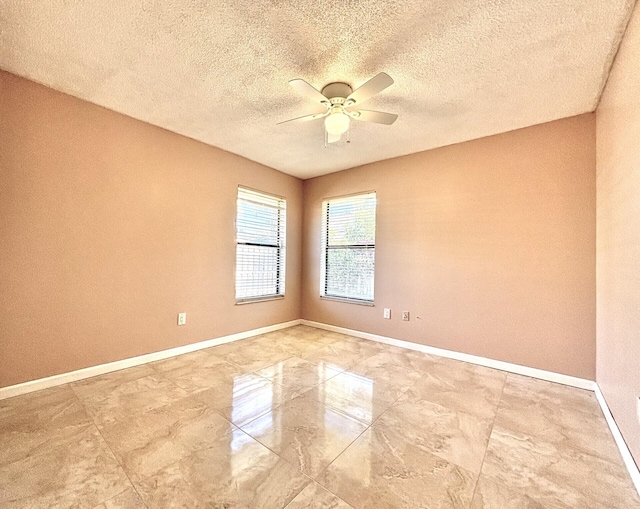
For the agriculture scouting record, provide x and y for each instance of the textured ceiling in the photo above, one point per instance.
(217, 71)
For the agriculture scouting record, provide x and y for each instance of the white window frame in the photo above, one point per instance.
(260, 198)
(361, 198)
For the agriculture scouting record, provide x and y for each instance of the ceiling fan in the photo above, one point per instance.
(342, 104)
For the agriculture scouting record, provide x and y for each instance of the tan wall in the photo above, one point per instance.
(489, 244)
(618, 234)
(109, 227)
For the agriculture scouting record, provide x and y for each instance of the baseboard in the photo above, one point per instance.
(550, 376)
(620, 442)
(81, 374)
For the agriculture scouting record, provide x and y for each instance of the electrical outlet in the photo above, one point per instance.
(182, 318)
(405, 316)
(387, 314)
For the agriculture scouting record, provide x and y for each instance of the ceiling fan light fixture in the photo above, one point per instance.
(337, 122)
(337, 97)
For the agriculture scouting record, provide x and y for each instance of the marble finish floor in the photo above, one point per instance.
(304, 418)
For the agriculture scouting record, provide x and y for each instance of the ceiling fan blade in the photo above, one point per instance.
(332, 138)
(376, 84)
(379, 117)
(306, 90)
(306, 118)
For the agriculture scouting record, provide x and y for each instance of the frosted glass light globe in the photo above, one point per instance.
(337, 122)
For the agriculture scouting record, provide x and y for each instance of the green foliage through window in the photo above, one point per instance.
(348, 247)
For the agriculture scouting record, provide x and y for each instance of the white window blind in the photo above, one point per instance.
(349, 247)
(260, 250)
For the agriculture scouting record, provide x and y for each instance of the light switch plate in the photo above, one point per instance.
(182, 318)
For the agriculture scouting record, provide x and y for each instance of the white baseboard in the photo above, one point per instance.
(581, 383)
(617, 436)
(550, 376)
(80, 374)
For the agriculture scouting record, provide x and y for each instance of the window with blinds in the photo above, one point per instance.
(260, 250)
(348, 247)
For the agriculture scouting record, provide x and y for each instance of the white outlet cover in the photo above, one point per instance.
(182, 318)
(405, 316)
(387, 313)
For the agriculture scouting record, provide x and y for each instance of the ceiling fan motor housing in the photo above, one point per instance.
(337, 98)
(337, 92)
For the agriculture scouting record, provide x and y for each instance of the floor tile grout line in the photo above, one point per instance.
(375, 421)
(573, 448)
(95, 425)
(324, 488)
(484, 456)
(499, 406)
(338, 456)
(161, 374)
(289, 462)
(301, 394)
(157, 373)
(370, 424)
(341, 412)
(254, 372)
(296, 356)
(46, 444)
(234, 428)
(311, 479)
(295, 466)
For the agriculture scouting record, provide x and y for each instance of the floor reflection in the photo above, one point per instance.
(251, 395)
(349, 389)
(244, 454)
(398, 429)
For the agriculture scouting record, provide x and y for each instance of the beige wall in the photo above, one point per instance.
(109, 227)
(618, 234)
(489, 244)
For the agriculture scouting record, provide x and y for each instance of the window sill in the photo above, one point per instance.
(259, 299)
(348, 301)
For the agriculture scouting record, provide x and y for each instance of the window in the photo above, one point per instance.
(260, 250)
(348, 248)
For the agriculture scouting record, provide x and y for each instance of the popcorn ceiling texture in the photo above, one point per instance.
(218, 71)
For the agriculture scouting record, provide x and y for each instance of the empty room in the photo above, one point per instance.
(315, 254)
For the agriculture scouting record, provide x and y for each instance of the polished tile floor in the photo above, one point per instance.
(304, 418)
